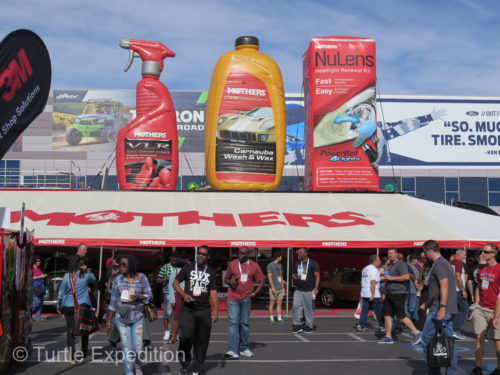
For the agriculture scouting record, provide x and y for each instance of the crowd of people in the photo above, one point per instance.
(426, 292)
(419, 292)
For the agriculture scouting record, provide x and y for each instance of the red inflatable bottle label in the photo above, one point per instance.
(246, 138)
(148, 160)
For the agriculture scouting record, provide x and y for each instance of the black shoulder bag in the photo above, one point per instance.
(85, 319)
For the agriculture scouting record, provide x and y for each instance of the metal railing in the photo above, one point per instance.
(16, 178)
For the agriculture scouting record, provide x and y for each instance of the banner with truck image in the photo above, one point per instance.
(89, 120)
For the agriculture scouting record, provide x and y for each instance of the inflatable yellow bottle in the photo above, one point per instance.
(245, 129)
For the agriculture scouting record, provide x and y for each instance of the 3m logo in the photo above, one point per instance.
(15, 75)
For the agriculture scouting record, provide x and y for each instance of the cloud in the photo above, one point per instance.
(422, 47)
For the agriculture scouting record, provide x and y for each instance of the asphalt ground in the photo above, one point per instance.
(335, 347)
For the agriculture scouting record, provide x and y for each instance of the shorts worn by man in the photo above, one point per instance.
(442, 303)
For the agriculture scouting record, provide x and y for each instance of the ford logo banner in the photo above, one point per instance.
(25, 74)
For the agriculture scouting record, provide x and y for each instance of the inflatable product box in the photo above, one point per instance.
(340, 125)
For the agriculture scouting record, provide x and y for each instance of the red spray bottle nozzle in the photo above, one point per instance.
(148, 51)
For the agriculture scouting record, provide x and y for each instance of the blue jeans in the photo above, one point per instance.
(377, 309)
(411, 307)
(463, 310)
(37, 306)
(238, 316)
(131, 337)
(429, 332)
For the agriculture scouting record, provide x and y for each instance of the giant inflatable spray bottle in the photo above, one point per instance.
(147, 155)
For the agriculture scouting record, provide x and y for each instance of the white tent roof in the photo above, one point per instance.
(225, 219)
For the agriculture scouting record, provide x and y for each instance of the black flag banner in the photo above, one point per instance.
(25, 75)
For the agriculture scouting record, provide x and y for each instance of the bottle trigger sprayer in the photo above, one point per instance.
(147, 148)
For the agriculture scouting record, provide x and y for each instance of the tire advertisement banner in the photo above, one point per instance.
(439, 131)
(25, 76)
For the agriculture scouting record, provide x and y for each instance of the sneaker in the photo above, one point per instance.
(459, 336)
(166, 336)
(417, 339)
(380, 329)
(271, 319)
(280, 321)
(477, 371)
(361, 329)
(73, 362)
(246, 353)
(297, 329)
(231, 355)
(471, 312)
(308, 330)
(385, 340)
(193, 373)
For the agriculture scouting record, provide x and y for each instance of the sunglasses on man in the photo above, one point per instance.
(486, 252)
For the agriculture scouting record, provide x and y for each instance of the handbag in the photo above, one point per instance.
(150, 310)
(441, 347)
(39, 290)
(85, 320)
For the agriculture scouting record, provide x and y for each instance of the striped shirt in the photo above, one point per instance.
(166, 271)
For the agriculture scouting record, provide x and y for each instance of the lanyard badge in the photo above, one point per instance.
(244, 276)
(303, 275)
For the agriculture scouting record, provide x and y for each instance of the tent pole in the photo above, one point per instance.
(287, 280)
(378, 251)
(99, 292)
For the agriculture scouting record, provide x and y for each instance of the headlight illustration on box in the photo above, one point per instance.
(342, 124)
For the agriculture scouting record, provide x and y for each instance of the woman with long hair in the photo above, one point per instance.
(82, 280)
(38, 289)
(131, 291)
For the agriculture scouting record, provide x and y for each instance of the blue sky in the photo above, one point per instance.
(423, 47)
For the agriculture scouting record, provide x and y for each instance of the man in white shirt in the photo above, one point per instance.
(370, 294)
